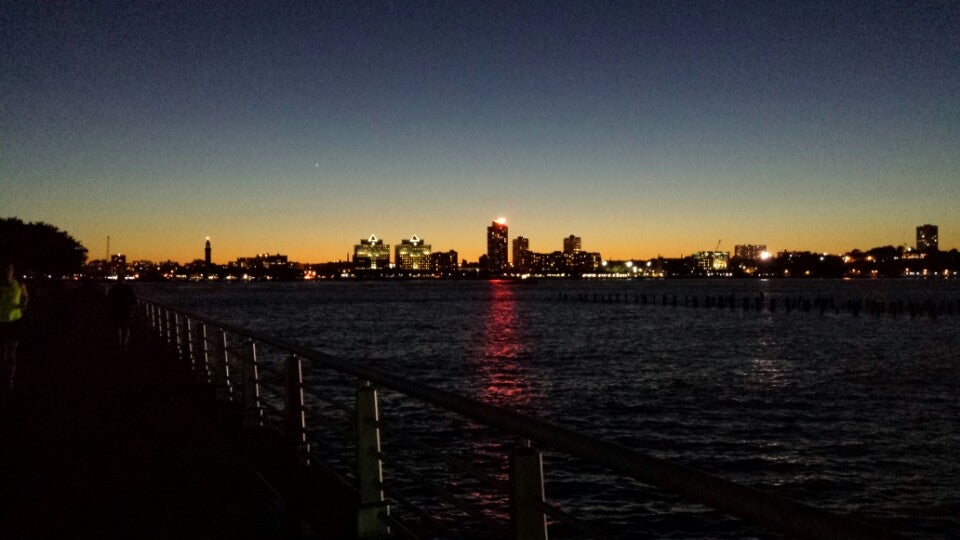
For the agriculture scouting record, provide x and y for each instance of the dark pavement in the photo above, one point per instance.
(100, 444)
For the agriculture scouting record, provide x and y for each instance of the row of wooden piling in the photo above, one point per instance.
(805, 304)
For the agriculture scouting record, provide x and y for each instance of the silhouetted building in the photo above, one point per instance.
(585, 262)
(927, 238)
(206, 253)
(371, 254)
(412, 254)
(521, 254)
(497, 246)
(333, 270)
(571, 244)
(787, 255)
(749, 251)
(548, 263)
(118, 263)
(443, 262)
(711, 262)
(263, 261)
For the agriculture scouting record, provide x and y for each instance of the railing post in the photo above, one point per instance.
(372, 508)
(163, 325)
(252, 413)
(188, 342)
(297, 447)
(177, 336)
(161, 317)
(171, 328)
(167, 330)
(296, 424)
(202, 358)
(527, 496)
(221, 367)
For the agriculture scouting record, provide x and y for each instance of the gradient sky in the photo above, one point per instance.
(646, 128)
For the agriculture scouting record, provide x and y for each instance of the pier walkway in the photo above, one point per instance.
(100, 444)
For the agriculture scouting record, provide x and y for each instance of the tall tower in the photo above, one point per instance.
(206, 252)
(497, 245)
(927, 240)
(521, 251)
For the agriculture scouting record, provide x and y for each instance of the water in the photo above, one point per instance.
(853, 414)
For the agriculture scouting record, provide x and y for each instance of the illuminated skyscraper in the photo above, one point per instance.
(521, 254)
(571, 245)
(497, 246)
(927, 238)
(371, 254)
(412, 254)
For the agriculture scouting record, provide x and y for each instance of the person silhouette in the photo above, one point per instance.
(13, 301)
(121, 302)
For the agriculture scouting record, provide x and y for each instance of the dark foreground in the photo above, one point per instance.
(98, 444)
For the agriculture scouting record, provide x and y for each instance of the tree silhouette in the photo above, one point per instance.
(40, 248)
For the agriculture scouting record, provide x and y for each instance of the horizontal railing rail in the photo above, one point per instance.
(202, 341)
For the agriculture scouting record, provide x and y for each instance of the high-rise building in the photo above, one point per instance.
(371, 254)
(444, 262)
(497, 246)
(206, 252)
(750, 251)
(521, 254)
(571, 245)
(927, 238)
(412, 254)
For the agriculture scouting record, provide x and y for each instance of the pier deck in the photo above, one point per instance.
(99, 444)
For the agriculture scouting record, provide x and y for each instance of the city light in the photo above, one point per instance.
(414, 258)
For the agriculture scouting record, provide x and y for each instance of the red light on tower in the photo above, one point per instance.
(497, 246)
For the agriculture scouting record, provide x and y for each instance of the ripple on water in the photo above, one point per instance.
(855, 414)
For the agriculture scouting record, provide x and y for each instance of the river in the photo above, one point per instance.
(856, 414)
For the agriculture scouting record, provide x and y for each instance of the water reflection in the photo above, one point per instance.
(767, 373)
(768, 370)
(503, 345)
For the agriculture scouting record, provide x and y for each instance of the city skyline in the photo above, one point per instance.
(382, 255)
(646, 129)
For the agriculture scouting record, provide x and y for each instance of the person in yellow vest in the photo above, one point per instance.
(13, 300)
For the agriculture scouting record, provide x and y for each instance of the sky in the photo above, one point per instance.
(645, 128)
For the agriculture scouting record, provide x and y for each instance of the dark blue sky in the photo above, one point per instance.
(644, 127)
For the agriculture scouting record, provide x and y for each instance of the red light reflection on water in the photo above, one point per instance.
(506, 380)
(504, 377)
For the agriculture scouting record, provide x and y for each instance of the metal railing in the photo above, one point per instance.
(225, 357)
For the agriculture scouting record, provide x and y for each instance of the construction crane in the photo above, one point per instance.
(718, 245)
